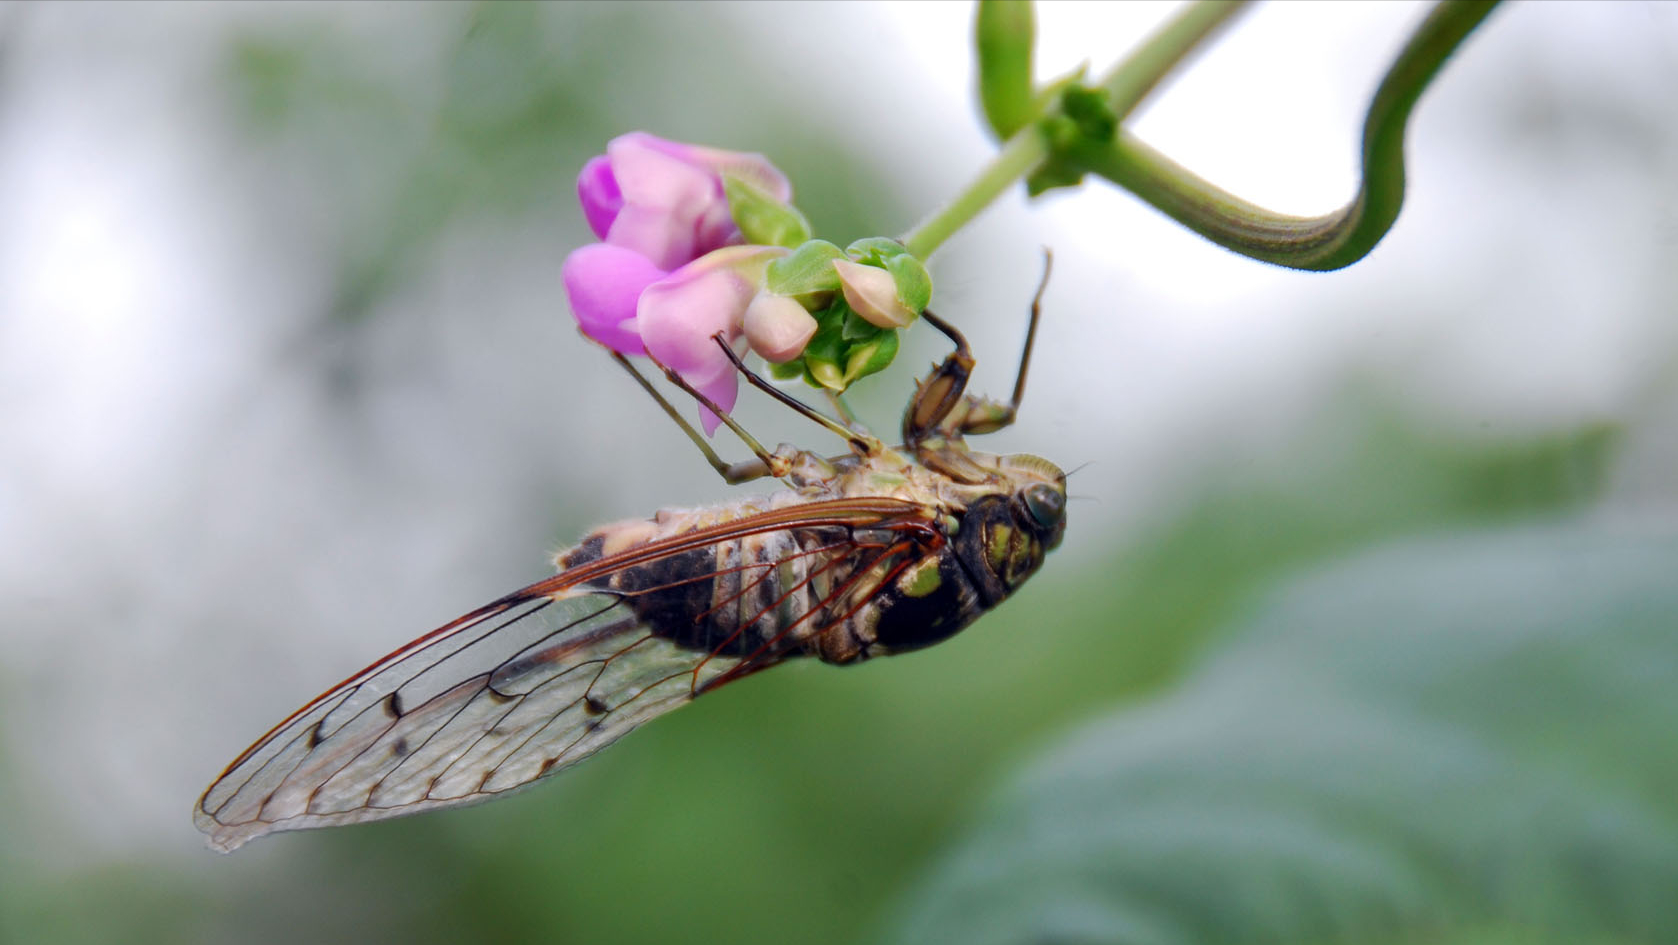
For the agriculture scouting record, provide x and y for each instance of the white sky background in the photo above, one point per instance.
(172, 572)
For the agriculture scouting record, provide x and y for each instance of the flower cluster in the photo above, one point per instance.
(697, 242)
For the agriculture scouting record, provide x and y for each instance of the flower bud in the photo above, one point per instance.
(872, 293)
(777, 327)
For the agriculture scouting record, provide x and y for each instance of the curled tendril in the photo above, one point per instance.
(1331, 241)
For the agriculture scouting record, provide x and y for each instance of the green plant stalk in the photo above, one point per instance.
(1333, 240)
(1131, 79)
(1024, 151)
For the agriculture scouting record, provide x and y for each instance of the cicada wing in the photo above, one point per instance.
(516, 691)
(519, 688)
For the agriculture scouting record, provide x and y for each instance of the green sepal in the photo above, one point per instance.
(914, 285)
(788, 370)
(806, 273)
(825, 374)
(856, 328)
(1088, 110)
(875, 250)
(762, 219)
(826, 350)
(870, 357)
(844, 348)
(1051, 174)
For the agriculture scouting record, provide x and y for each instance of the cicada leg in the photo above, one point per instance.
(837, 402)
(764, 464)
(865, 444)
(938, 397)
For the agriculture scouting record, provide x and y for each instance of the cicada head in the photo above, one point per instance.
(1010, 527)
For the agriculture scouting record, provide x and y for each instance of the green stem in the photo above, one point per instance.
(1333, 240)
(1130, 80)
(1024, 151)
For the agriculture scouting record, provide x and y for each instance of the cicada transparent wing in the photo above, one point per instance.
(546, 676)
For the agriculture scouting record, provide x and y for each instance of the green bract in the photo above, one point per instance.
(914, 285)
(846, 346)
(1084, 116)
(871, 356)
(762, 219)
(875, 250)
(806, 272)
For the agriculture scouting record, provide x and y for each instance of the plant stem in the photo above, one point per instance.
(1024, 151)
(1127, 82)
(1333, 240)
(1132, 78)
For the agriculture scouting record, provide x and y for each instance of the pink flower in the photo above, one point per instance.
(604, 283)
(680, 315)
(664, 199)
(668, 275)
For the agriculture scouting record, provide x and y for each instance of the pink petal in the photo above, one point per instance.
(715, 229)
(679, 315)
(724, 390)
(598, 192)
(754, 169)
(648, 177)
(604, 284)
(664, 236)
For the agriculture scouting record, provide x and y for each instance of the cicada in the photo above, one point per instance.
(879, 551)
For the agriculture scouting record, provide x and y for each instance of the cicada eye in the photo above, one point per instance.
(1045, 504)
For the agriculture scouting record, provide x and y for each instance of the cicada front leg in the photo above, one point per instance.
(942, 406)
(763, 463)
(800, 467)
(863, 443)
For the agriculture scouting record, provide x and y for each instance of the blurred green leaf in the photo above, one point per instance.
(1454, 739)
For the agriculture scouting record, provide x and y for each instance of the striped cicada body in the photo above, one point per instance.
(880, 551)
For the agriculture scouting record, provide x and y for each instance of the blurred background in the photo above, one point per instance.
(1363, 630)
